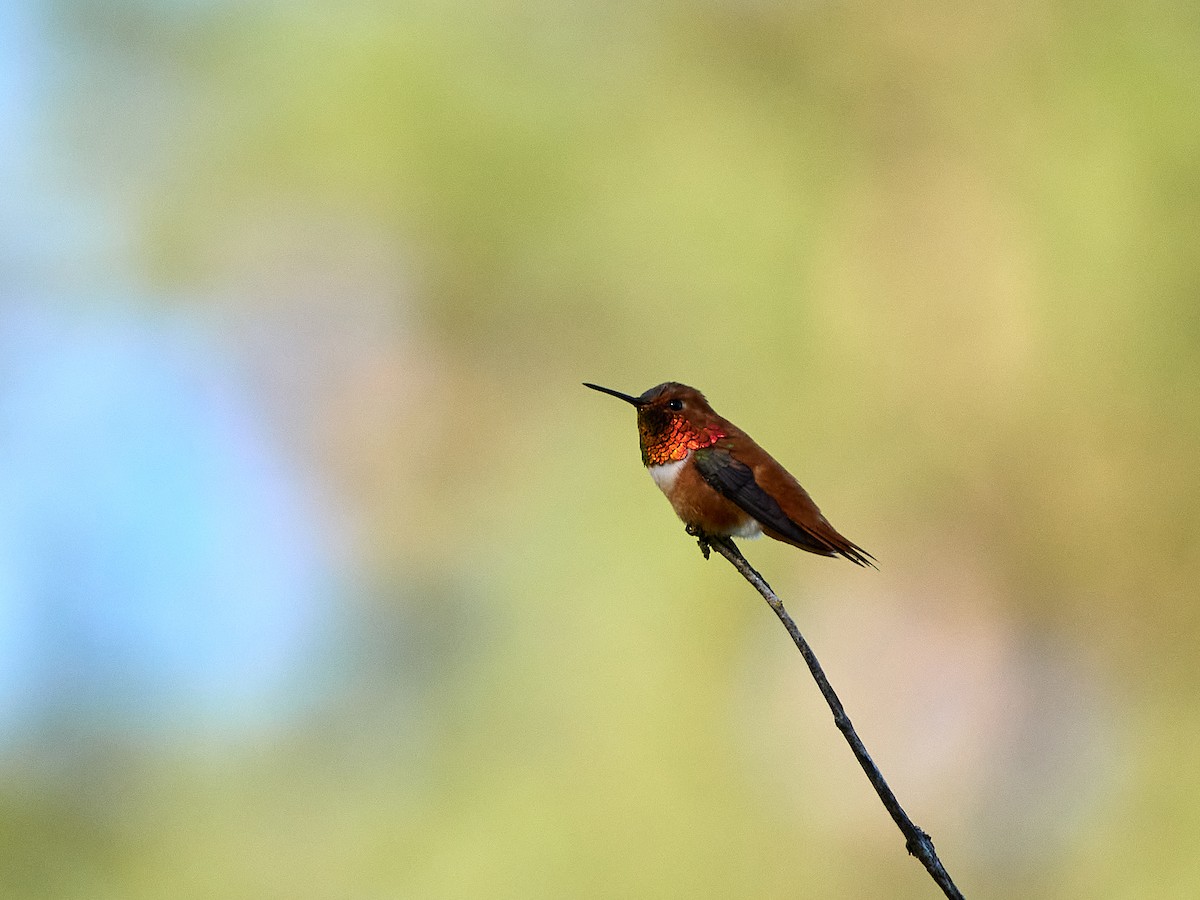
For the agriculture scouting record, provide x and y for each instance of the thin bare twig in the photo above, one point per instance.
(917, 841)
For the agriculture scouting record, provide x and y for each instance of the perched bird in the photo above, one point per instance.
(720, 482)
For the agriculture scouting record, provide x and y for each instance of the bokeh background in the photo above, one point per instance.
(322, 577)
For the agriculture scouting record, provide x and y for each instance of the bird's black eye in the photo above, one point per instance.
(676, 405)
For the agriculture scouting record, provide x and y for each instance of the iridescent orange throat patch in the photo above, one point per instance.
(674, 440)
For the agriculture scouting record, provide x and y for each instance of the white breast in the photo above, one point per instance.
(664, 475)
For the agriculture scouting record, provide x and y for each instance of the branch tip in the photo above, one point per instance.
(917, 841)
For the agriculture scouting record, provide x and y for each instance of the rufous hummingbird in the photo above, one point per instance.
(720, 482)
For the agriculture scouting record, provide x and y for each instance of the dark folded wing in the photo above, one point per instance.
(734, 480)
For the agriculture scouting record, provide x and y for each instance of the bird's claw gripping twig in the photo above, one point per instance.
(701, 539)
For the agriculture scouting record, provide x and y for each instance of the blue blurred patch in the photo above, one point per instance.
(162, 563)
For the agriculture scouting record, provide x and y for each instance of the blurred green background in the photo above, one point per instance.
(321, 576)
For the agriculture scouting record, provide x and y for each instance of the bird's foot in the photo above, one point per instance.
(701, 539)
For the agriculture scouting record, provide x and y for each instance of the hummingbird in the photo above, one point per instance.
(720, 482)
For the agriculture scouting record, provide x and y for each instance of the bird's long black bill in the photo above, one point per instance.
(636, 401)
